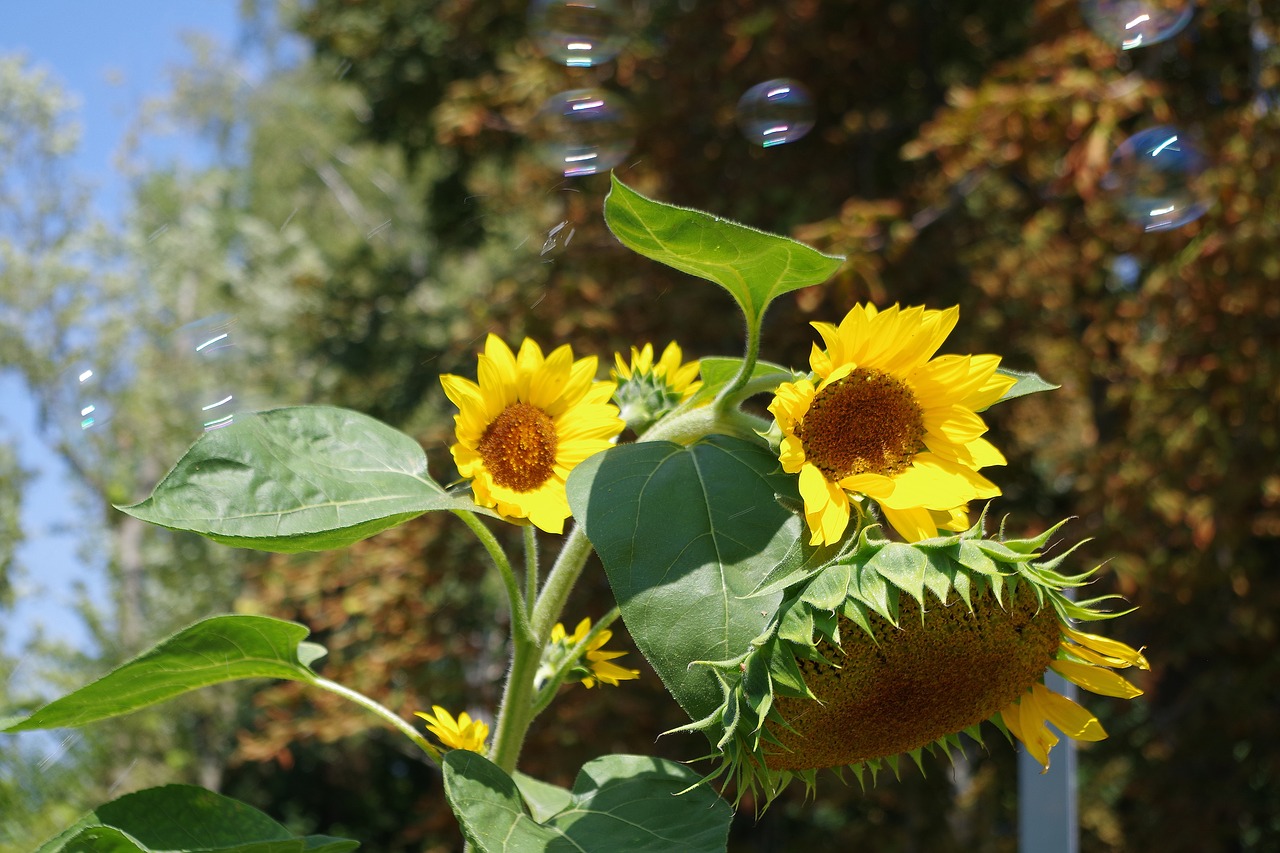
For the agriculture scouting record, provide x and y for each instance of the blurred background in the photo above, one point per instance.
(211, 207)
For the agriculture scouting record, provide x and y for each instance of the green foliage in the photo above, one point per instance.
(685, 533)
(619, 802)
(214, 650)
(756, 268)
(184, 819)
(316, 477)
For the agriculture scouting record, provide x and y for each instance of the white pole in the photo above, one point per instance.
(1047, 816)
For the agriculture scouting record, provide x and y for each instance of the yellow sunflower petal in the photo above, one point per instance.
(826, 507)
(1095, 679)
(1109, 647)
(1037, 737)
(1071, 719)
(913, 523)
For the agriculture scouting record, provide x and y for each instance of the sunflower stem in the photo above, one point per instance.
(518, 708)
(725, 399)
(519, 606)
(530, 564)
(382, 711)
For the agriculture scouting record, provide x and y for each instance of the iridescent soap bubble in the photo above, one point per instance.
(775, 112)
(583, 131)
(578, 33)
(85, 399)
(209, 366)
(1137, 23)
(1155, 178)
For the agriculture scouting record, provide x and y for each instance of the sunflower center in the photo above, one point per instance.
(866, 423)
(519, 447)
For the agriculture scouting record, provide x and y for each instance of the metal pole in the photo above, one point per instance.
(1047, 816)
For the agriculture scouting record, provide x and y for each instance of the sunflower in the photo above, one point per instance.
(647, 391)
(598, 661)
(882, 417)
(462, 733)
(894, 649)
(526, 424)
(1086, 660)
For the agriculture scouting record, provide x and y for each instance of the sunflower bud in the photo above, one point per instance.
(647, 391)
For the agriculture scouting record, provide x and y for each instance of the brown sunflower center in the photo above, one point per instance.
(519, 447)
(912, 685)
(867, 422)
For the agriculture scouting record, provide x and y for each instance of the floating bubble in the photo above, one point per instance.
(85, 398)
(1125, 274)
(1155, 178)
(1137, 23)
(775, 112)
(209, 366)
(578, 33)
(583, 131)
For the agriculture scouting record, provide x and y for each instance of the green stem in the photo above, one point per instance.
(517, 711)
(382, 711)
(725, 399)
(530, 563)
(519, 607)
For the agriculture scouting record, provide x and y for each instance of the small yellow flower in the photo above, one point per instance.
(526, 424)
(598, 661)
(647, 391)
(881, 417)
(1085, 660)
(462, 733)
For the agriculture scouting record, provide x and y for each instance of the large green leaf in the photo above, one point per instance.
(214, 650)
(754, 266)
(685, 535)
(184, 819)
(627, 803)
(304, 478)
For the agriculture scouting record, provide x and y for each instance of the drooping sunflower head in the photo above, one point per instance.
(526, 424)
(648, 390)
(882, 417)
(896, 649)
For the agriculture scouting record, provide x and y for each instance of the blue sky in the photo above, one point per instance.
(112, 56)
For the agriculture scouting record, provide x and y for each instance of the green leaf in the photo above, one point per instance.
(184, 819)
(619, 802)
(685, 534)
(717, 372)
(754, 266)
(903, 566)
(214, 650)
(305, 478)
(1027, 383)
(543, 799)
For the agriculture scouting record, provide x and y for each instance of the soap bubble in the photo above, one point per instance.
(583, 131)
(209, 365)
(1137, 23)
(85, 400)
(775, 112)
(1155, 178)
(1126, 271)
(578, 33)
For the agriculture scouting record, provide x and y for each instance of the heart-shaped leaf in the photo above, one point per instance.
(305, 478)
(686, 534)
(184, 819)
(754, 266)
(619, 802)
(214, 650)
